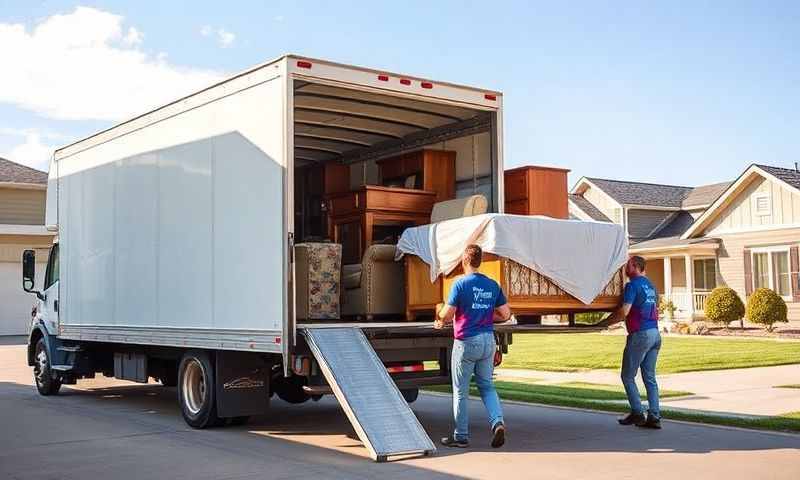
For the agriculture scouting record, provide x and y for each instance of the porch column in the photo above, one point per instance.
(667, 279)
(687, 259)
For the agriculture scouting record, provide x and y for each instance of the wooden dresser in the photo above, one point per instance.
(371, 213)
(533, 190)
(431, 170)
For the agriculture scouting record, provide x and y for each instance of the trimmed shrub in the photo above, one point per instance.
(723, 305)
(766, 307)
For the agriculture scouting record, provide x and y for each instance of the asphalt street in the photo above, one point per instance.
(110, 429)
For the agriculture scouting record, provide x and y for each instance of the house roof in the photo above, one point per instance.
(704, 195)
(588, 208)
(11, 172)
(639, 193)
(788, 175)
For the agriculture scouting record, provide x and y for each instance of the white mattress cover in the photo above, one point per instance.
(578, 256)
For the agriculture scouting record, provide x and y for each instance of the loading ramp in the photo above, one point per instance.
(368, 395)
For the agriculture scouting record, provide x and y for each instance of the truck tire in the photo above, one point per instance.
(410, 394)
(197, 390)
(42, 373)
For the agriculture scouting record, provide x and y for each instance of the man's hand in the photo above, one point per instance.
(443, 315)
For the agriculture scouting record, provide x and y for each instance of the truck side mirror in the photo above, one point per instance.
(29, 273)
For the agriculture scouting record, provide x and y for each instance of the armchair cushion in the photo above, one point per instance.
(317, 269)
(380, 289)
(351, 276)
(459, 208)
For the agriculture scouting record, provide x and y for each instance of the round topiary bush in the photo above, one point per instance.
(723, 305)
(766, 307)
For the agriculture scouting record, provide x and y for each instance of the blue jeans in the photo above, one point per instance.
(641, 351)
(474, 355)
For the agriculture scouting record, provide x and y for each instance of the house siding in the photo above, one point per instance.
(604, 204)
(21, 206)
(641, 223)
(731, 258)
(741, 215)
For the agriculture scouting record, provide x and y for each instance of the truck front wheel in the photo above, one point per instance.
(42, 373)
(196, 390)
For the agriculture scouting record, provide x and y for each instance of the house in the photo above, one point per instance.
(744, 234)
(22, 204)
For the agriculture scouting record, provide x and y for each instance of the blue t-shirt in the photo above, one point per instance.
(641, 295)
(475, 296)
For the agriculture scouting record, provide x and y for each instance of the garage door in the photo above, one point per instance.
(15, 304)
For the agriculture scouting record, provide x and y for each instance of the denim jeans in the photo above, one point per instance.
(474, 355)
(641, 351)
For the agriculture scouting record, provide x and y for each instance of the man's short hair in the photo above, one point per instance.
(638, 262)
(474, 255)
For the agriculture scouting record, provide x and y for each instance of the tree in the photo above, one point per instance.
(766, 307)
(723, 305)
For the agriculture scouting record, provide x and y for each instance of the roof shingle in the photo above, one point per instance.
(704, 195)
(588, 208)
(788, 175)
(637, 193)
(11, 172)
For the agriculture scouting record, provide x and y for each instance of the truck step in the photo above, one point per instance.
(61, 368)
(70, 348)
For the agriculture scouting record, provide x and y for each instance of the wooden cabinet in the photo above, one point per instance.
(371, 213)
(430, 170)
(533, 190)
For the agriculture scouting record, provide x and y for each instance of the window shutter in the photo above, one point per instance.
(748, 272)
(794, 268)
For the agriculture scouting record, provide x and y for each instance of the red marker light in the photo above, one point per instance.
(426, 85)
(383, 78)
(405, 81)
(491, 97)
(303, 64)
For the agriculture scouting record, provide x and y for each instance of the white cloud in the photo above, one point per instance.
(224, 37)
(133, 37)
(32, 152)
(80, 65)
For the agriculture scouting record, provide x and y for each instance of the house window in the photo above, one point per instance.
(771, 270)
(762, 204)
(705, 274)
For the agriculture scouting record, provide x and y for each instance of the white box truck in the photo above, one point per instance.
(175, 233)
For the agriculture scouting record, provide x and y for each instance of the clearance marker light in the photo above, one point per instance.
(405, 81)
(303, 64)
(491, 97)
(383, 78)
(426, 85)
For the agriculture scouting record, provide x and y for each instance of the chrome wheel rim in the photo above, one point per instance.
(194, 386)
(41, 366)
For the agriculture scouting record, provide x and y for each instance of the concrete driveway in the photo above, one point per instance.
(112, 429)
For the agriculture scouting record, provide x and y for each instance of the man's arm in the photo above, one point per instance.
(502, 314)
(615, 317)
(444, 315)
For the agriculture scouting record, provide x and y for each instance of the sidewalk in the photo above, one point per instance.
(746, 391)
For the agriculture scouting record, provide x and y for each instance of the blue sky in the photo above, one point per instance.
(672, 92)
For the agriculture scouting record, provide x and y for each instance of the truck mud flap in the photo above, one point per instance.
(367, 394)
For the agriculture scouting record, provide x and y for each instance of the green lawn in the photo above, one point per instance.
(597, 397)
(571, 352)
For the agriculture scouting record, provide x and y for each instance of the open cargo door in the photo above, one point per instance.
(367, 394)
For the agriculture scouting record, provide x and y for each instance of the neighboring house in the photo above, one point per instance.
(744, 234)
(22, 203)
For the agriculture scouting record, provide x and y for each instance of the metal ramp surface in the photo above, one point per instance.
(368, 395)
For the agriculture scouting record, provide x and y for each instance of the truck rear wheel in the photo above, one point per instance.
(196, 390)
(42, 373)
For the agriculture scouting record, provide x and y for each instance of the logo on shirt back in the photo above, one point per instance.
(482, 300)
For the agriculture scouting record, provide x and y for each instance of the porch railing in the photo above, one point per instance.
(699, 301)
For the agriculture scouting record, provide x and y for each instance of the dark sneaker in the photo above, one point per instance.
(454, 442)
(632, 419)
(651, 422)
(498, 435)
